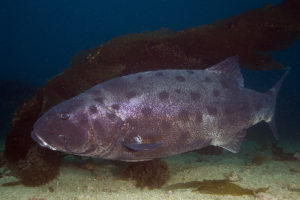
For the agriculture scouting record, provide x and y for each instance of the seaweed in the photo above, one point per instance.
(259, 158)
(151, 174)
(279, 154)
(50, 189)
(10, 184)
(294, 170)
(39, 167)
(217, 187)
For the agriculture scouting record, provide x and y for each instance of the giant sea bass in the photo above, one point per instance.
(154, 114)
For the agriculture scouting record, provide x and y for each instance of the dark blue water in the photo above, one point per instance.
(38, 38)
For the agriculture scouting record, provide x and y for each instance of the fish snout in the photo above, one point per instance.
(41, 141)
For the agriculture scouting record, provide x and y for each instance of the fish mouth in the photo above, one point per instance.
(41, 142)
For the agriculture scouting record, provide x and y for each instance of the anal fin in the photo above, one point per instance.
(235, 143)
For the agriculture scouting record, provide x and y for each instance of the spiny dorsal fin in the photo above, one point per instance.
(230, 67)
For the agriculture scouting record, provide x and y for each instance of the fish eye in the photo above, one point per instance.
(64, 116)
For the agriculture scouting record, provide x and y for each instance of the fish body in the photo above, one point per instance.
(159, 113)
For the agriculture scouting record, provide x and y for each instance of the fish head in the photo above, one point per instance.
(73, 127)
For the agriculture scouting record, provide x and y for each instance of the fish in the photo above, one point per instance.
(159, 113)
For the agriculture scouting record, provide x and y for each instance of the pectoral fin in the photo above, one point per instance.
(142, 147)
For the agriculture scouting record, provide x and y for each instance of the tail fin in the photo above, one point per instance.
(274, 92)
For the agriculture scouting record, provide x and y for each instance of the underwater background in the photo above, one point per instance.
(41, 39)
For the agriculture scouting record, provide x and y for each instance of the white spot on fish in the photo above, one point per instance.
(138, 139)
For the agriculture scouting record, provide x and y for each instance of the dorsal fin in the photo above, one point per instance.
(230, 67)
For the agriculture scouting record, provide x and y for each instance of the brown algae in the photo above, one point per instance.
(217, 187)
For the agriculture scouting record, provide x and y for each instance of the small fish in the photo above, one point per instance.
(159, 113)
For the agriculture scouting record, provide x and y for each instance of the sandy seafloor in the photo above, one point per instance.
(74, 183)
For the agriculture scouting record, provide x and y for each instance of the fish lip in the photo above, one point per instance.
(41, 142)
(34, 137)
